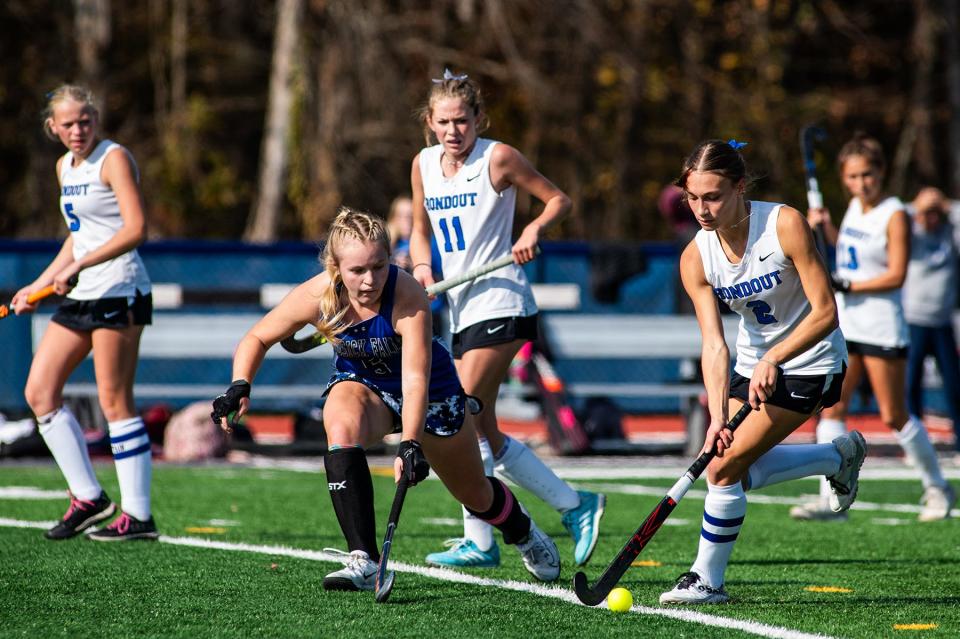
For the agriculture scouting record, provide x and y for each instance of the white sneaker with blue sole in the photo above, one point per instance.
(464, 553)
(583, 524)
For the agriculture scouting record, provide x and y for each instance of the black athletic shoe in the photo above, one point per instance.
(125, 528)
(82, 514)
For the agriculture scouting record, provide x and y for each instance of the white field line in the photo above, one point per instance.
(756, 498)
(30, 492)
(875, 468)
(443, 574)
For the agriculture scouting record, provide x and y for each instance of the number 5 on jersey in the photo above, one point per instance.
(74, 219)
(457, 229)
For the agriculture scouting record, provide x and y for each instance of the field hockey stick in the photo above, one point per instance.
(808, 137)
(384, 583)
(294, 345)
(593, 595)
(35, 297)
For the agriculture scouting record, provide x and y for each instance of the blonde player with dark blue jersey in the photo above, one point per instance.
(464, 194)
(759, 258)
(873, 250)
(102, 206)
(391, 376)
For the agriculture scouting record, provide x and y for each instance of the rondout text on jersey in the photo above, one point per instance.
(444, 202)
(74, 189)
(748, 288)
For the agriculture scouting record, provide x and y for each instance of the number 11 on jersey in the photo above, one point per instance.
(457, 229)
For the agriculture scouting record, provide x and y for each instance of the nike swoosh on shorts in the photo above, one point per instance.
(491, 331)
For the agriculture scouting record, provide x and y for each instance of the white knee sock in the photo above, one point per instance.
(131, 456)
(723, 515)
(517, 463)
(64, 437)
(474, 528)
(788, 461)
(916, 444)
(827, 431)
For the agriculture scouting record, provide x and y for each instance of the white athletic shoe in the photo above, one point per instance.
(817, 511)
(937, 503)
(540, 555)
(843, 486)
(690, 589)
(359, 573)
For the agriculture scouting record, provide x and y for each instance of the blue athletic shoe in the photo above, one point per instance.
(583, 524)
(464, 553)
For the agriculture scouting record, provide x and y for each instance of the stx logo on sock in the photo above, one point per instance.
(336, 485)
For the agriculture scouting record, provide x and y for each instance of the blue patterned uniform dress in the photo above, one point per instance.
(370, 353)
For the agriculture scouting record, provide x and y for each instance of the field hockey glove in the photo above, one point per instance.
(840, 284)
(415, 465)
(229, 401)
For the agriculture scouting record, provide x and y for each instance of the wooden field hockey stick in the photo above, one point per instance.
(593, 595)
(33, 298)
(809, 135)
(384, 583)
(294, 345)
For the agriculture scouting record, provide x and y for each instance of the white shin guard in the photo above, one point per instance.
(827, 431)
(474, 528)
(517, 463)
(131, 455)
(64, 437)
(916, 444)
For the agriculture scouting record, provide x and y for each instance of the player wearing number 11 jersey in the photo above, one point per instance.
(464, 194)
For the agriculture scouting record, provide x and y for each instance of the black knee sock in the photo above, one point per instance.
(505, 513)
(351, 489)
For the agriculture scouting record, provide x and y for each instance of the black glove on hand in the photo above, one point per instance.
(415, 466)
(839, 284)
(229, 402)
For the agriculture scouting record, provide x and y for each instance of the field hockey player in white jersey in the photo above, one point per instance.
(105, 312)
(760, 259)
(873, 251)
(464, 193)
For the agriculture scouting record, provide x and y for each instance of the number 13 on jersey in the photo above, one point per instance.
(457, 231)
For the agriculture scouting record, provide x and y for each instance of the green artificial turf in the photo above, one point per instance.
(871, 575)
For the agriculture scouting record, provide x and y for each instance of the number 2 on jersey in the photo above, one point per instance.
(457, 229)
(74, 219)
(762, 310)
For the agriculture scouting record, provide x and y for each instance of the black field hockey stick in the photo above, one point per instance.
(593, 595)
(809, 135)
(384, 583)
(294, 345)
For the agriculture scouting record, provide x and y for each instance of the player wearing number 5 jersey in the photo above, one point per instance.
(873, 249)
(464, 194)
(102, 206)
(759, 258)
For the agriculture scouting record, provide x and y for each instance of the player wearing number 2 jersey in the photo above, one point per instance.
(758, 258)
(101, 203)
(464, 194)
(873, 249)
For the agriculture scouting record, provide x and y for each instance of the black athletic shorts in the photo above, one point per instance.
(805, 394)
(493, 332)
(872, 350)
(106, 312)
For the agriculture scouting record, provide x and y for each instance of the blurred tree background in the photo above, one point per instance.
(254, 119)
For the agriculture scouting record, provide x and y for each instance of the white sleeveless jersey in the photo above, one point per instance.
(92, 214)
(473, 225)
(869, 318)
(765, 290)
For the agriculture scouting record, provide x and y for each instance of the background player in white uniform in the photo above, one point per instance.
(101, 203)
(760, 259)
(464, 193)
(873, 249)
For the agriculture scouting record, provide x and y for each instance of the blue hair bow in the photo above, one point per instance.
(449, 75)
(736, 145)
